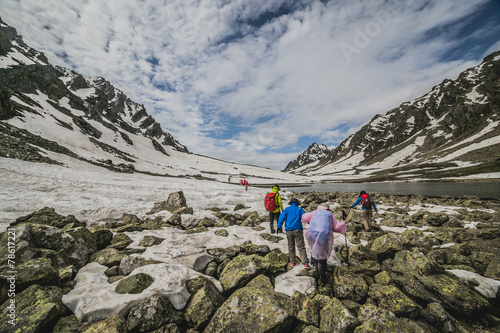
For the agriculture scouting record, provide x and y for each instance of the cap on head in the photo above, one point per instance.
(294, 200)
(327, 206)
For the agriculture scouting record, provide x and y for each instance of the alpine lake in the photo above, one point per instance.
(484, 190)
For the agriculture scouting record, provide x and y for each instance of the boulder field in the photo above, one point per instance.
(430, 264)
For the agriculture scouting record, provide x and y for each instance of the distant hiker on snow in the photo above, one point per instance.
(245, 182)
(366, 209)
(319, 236)
(273, 204)
(292, 218)
(229, 179)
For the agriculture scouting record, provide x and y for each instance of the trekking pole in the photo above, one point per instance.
(345, 234)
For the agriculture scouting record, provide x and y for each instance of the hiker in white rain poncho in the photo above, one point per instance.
(319, 236)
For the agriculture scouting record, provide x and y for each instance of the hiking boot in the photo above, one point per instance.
(272, 231)
(307, 267)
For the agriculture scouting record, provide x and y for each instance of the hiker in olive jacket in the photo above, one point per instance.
(275, 215)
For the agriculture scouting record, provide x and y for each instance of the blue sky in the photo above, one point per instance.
(258, 81)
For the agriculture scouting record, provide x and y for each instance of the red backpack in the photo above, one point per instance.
(366, 201)
(270, 202)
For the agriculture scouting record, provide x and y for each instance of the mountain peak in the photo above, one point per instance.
(452, 130)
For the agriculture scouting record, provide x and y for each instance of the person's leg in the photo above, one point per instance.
(369, 218)
(322, 270)
(299, 239)
(290, 237)
(365, 219)
(271, 222)
(314, 262)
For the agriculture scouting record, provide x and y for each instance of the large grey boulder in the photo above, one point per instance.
(256, 308)
(152, 314)
(35, 308)
(241, 270)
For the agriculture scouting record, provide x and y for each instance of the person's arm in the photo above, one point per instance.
(357, 202)
(374, 206)
(307, 217)
(280, 203)
(338, 226)
(282, 219)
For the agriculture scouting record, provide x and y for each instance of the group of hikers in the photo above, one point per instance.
(319, 235)
(243, 182)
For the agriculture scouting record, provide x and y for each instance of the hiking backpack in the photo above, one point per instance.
(366, 201)
(270, 202)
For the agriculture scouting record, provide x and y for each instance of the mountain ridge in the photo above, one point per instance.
(50, 112)
(450, 131)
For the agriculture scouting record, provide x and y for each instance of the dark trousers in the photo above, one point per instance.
(296, 237)
(321, 263)
(272, 217)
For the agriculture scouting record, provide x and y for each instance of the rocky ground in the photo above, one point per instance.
(394, 278)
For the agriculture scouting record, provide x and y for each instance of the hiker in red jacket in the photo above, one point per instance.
(366, 209)
(245, 182)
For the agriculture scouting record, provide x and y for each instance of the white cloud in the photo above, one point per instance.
(226, 71)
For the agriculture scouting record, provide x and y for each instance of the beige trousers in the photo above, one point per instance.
(367, 218)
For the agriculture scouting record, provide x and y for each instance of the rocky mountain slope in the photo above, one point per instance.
(451, 131)
(49, 114)
(313, 153)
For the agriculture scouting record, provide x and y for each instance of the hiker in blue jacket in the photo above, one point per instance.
(366, 209)
(292, 217)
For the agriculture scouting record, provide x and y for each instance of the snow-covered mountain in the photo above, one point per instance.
(313, 153)
(451, 131)
(48, 113)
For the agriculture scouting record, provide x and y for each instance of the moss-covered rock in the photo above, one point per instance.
(390, 324)
(270, 238)
(383, 278)
(392, 299)
(35, 309)
(222, 254)
(360, 253)
(386, 246)
(493, 269)
(250, 248)
(48, 216)
(175, 201)
(253, 309)
(336, 317)
(102, 235)
(203, 304)
(350, 286)
(108, 257)
(440, 319)
(221, 233)
(35, 271)
(148, 241)
(74, 246)
(152, 314)
(435, 219)
(134, 284)
(406, 262)
(129, 263)
(241, 270)
(196, 230)
(454, 294)
(69, 324)
(116, 324)
(278, 261)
